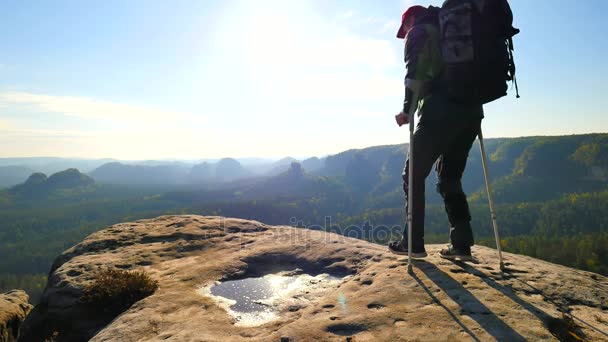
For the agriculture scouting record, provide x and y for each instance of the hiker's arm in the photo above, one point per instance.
(414, 59)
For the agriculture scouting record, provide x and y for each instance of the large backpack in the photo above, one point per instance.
(477, 49)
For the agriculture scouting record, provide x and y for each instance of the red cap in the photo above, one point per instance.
(412, 11)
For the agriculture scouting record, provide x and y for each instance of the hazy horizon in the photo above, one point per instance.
(251, 159)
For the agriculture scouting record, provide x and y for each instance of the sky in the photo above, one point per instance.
(152, 79)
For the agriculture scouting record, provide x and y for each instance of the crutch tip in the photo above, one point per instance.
(409, 269)
(502, 266)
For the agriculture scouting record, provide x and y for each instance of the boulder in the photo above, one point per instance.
(14, 307)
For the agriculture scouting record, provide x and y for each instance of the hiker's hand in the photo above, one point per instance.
(402, 119)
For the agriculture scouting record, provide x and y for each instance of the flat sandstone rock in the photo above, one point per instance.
(377, 300)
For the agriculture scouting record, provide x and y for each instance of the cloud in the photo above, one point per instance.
(44, 133)
(334, 64)
(85, 107)
(348, 14)
(125, 144)
(6, 128)
(341, 87)
(332, 49)
(296, 37)
(391, 25)
(353, 51)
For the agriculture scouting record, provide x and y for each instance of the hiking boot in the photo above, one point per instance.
(452, 253)
(400, 247)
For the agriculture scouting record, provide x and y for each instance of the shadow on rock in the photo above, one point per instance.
(565, 328)
(469, 304)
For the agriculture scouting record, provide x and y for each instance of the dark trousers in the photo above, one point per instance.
(448, 143)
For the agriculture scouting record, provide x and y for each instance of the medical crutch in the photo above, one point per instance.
(416, 88)
(486, 174)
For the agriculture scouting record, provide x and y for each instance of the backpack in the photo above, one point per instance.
(477, 49)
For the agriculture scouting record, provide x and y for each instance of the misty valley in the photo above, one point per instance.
(551, 193)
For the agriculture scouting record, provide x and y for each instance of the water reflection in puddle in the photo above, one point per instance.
(256, 301)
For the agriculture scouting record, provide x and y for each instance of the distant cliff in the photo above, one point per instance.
(39, 185)
(373, 298)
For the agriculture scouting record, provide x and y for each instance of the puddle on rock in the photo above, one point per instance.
(256, 301)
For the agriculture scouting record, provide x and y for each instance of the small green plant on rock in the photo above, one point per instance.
(113, 291)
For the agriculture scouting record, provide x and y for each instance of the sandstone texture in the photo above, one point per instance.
(14, 306)
(377, 300)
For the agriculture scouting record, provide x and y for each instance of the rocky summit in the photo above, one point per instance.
(310, 286)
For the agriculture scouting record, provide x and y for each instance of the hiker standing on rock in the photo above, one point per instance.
(458, 57)
(444, 134)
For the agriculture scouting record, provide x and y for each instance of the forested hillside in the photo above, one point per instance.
(552, 196)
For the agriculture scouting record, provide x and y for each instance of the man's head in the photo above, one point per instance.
(408, 19)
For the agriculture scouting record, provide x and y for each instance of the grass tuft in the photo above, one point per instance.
(114, 291)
